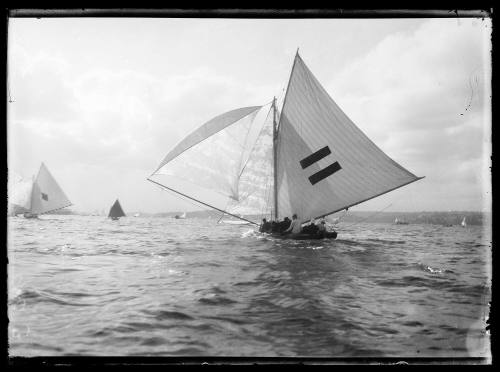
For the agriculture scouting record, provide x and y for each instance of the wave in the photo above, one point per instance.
(216, 300)
(27, 297)
(161, 315)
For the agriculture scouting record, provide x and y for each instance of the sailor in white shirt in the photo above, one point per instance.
(295, 226)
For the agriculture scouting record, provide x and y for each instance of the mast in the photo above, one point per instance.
(275, 138)
(275, 159)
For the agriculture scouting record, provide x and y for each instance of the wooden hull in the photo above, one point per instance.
(301, 236)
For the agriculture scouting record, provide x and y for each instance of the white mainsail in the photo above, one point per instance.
(325, 162)
(314, 163)
(47, 195)
(38, 196)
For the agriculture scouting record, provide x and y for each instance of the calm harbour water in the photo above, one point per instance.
(164, 287)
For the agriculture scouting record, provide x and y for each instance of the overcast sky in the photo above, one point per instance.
(101, 101)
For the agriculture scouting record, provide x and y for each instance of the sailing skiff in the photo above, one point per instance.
(38, 196)
(116, 211)
(309, 159)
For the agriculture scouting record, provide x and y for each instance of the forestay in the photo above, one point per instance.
(325, 162)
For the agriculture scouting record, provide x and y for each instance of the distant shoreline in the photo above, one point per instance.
(436, 218)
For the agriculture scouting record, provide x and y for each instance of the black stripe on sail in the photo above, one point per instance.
(314, 157)
(322, 174)
(45, 196)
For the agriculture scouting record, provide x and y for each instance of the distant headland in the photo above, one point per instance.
(445, 218)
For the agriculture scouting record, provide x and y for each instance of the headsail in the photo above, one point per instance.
(255, 183)
(116, 210)
(325, 162)
(229, 155)
(47, 195)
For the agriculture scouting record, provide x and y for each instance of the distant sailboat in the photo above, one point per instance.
(116, 211)
(180, 217)
(310, 160)
(36, 197)
(400, 222)
(464, 224)
(136, 214)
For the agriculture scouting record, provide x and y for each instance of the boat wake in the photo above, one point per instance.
(251, 234)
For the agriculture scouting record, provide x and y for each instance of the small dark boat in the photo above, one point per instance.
(116, 211)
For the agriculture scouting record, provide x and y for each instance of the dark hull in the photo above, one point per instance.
(327, 235)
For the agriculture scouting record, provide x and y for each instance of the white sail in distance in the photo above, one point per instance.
(47, 195)
(325, 163)
(19, 194)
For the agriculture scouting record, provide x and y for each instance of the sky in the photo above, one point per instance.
(101, 101)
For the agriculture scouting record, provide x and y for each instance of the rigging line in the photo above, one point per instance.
(266, 198)
(171, 193)
(255, 143)
(222, 215)
(371, 215)
(243, 147)
(212, 188)
(199, 201)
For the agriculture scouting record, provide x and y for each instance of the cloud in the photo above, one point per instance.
(41, 84)
(423, 97)
(114, 123)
